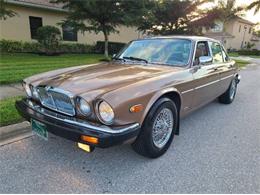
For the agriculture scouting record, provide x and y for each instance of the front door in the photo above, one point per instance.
(206, 77)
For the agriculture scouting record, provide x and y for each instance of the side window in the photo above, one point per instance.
(35, 23)
(202, 49)
(216, 52)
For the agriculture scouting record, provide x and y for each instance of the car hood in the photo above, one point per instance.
(101, 77)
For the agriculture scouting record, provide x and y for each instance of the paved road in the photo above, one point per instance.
(218, 151)
(11, 90)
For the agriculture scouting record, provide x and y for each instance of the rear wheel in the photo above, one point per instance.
(229, 95)
(158, 129)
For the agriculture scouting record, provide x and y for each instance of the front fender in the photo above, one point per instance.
(155, 97)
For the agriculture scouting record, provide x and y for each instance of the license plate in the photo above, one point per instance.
(39, 129)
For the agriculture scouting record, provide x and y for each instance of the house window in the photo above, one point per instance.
(69, 34)
(239, 28)
(35, 23)
(250, 30)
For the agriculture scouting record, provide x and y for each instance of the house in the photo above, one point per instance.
(234, 34)
(32, 14)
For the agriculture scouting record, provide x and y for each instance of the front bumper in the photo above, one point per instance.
(72, 128)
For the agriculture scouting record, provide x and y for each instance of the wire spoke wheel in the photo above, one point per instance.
(162, 127)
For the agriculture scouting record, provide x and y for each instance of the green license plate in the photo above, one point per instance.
(39, 129)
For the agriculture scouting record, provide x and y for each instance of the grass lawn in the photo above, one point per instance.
(242, 63)
(235, 54)
(17, 66)
(8, 112)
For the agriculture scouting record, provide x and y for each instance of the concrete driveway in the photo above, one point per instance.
(218, 151)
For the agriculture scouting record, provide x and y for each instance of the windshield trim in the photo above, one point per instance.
(162, 64)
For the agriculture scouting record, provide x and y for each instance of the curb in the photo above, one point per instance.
(12, 133)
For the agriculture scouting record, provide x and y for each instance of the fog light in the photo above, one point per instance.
(89, 139)
(85, 147)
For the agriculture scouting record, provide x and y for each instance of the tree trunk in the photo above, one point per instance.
(106, 44)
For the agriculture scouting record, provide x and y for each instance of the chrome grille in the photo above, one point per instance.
(56, 99)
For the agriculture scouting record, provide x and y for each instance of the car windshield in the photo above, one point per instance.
(174, 52)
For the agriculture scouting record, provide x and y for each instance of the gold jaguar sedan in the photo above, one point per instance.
(138, 97)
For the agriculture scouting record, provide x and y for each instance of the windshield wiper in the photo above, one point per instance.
(121, 59)
(136, 59)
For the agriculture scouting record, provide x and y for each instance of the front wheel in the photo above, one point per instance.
(158, 129)
(229, 95)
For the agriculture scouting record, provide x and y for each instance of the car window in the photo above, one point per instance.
(202, 49)
(174, 52)
(216, 52)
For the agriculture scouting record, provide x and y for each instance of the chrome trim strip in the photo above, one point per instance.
(102, 128)
(226, 77)
(205, 85)
(187, 91)
(210, 83)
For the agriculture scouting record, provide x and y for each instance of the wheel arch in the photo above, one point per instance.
(171, 93)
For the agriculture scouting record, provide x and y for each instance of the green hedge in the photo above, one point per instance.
(34, 47)
(113, 47)
(249, 52)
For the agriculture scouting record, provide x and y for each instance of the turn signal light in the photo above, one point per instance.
(136, 108)
(89, 139)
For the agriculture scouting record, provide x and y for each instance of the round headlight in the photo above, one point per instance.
(84, 107)
(106, 112)
(27, 89)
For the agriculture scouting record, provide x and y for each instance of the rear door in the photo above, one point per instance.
(227, 71)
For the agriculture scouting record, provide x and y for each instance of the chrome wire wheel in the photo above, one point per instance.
(162, 127)
(232, 91)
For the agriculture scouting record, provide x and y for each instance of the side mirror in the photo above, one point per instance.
(205, 60)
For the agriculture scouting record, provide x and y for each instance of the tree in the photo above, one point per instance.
(255, 5)
(4, 12)
(175, 17)
(226, 10)
(49, 37)
(102, 15)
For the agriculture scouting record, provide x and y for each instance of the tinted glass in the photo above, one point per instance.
(162, 51)
(216, 52)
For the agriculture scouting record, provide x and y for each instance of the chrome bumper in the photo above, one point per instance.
(82, 123)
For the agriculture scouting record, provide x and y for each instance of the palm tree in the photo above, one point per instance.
(4, 12)
(228, 10)
(255, 5)
(225, 11)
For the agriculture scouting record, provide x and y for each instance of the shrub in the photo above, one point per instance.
(49, 37)
(9, 46)
(113, 47)
(249, 52)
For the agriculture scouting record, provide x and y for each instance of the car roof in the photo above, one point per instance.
(194, 38)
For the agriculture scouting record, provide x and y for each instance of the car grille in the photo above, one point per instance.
(56, 99)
